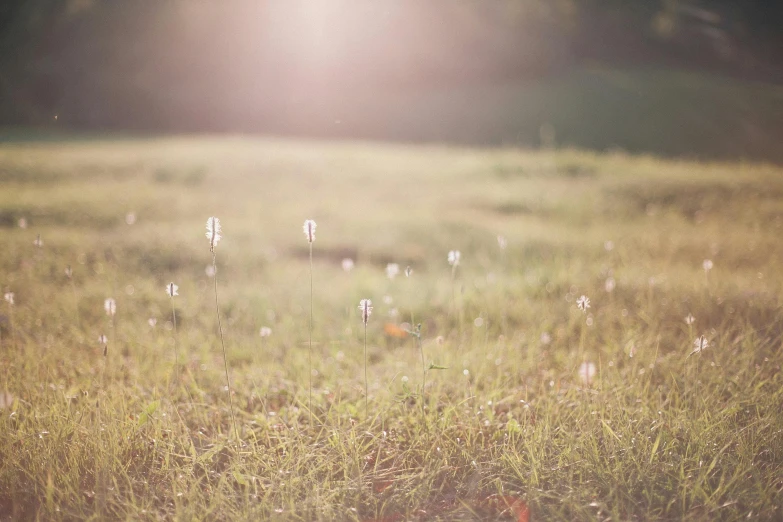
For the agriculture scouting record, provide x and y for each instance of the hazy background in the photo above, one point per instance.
(700, 79)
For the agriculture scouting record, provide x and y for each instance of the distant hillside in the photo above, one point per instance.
(661, 112)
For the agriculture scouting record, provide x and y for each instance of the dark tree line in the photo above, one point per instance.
(199, 65)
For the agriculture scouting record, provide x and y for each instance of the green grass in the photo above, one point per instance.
(655, 436)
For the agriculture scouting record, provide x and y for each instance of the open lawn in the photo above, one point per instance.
(531, 407)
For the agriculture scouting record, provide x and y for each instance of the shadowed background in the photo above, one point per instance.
(667, 77)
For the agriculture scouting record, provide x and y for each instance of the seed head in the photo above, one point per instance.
(110, 306)
(365, 305)
(309, 230)
(214, 231)
(454, 257)
(587, 372)
(9, 297)
(392, 269)
(583, 303)
(171, 289)
(699, 345)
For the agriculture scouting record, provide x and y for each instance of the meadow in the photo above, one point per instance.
(508, 402)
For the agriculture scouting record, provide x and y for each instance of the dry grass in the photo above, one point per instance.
(654, 436)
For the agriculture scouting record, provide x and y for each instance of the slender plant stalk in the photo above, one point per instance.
(176, 352)
(76, 304)
(13, 326)
(366, 393)
(223, 345)
(423, 374)
(310, 351)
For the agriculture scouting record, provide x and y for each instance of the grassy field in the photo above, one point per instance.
(512, 422)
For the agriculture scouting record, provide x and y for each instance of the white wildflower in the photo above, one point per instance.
(214, 231)
(110, 305)
(365, 305)
(392, 269)
(348, 264)
(454, 257)
(707, 265)
(689, 319)
(609, 285)
(587, 372)
(583, 303)
(265, 331)
(9, 297)
(502, 242)
(171, 289)
(309, 230)
(699, 345)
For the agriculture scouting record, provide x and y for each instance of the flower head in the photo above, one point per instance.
(22, 223)
(68, 272)
(689, 319)
(110, 306)
(347, 264)
(408, 271)
(103, 339)
(392, 269)
(502, 242)
(265, 331)
(171, 289)
(38, 241)
(610, 284)
(214, 231)
(587, 372)
(152, 322)
(583, 303)
(454, 257)
(699, 344)
(365, 305)
(210, 271)
(707, 265)
(9, 297)
(309, 230)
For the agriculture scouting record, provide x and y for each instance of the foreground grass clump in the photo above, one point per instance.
(566, 411)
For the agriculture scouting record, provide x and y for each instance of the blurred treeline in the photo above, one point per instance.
(663, 76)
